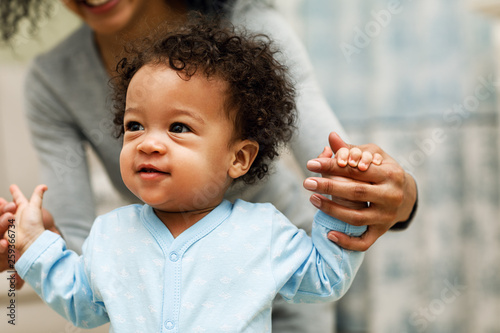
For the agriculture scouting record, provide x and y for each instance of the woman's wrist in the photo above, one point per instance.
(410, 205)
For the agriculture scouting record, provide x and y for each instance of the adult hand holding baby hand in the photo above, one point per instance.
(390, 190)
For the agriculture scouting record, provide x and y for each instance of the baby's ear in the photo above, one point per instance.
(244, 155)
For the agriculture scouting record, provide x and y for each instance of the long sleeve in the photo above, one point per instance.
(59, 277)
(313, 269)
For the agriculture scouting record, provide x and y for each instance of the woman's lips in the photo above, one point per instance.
(99, 6)
(94, 3)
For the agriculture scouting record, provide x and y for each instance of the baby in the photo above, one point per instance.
(200, 107)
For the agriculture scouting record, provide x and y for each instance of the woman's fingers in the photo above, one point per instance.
(355, 216)
(342, 187)
(361, 243)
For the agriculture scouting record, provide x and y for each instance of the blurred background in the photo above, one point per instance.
(419, 79)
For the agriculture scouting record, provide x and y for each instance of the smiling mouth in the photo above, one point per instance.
(94, 3)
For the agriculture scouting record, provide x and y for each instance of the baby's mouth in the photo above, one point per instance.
(152, 174)
(150, 170)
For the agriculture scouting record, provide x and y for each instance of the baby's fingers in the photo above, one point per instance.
(365, 161)
(17, 195)
(355, 155)
(37, 196)
(342, 156)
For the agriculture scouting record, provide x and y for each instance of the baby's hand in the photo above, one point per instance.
(354, 157)
(28, 220)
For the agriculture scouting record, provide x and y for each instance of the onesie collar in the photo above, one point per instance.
(197, 231)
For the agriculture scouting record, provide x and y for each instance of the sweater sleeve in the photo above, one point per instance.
(63, 161)
(60, 278)
(313, 269)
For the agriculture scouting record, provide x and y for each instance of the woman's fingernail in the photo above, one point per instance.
(313, 165)
(310, 184)
(332, 238)
(315, 201)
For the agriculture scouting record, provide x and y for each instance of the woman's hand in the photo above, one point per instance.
(390, 191)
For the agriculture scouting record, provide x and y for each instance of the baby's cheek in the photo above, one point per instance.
(126, 167)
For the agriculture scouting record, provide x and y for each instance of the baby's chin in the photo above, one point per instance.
(168, 206)
(187, 209)
(185, 203)
(162, 206)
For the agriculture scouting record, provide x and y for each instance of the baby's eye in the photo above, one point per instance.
(133, 126)
(179, 128)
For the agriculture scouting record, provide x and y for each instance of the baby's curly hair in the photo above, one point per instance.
(260, 93)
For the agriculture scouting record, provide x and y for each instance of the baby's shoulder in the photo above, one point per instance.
(121, 215)
(261, 213)
(253, 208)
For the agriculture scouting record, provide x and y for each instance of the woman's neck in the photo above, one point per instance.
(110, 46)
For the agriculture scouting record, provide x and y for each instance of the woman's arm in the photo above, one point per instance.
(394, 194)
(63, 161)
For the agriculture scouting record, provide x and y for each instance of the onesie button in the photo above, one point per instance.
(169, 325)
(174, 257)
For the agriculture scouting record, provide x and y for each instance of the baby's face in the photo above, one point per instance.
(177, 145)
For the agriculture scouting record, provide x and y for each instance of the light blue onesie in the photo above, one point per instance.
(220, 275)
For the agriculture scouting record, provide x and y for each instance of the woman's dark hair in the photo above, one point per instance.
(15, 13)
(260, 95)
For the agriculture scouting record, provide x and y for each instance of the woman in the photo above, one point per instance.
(68, 107)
